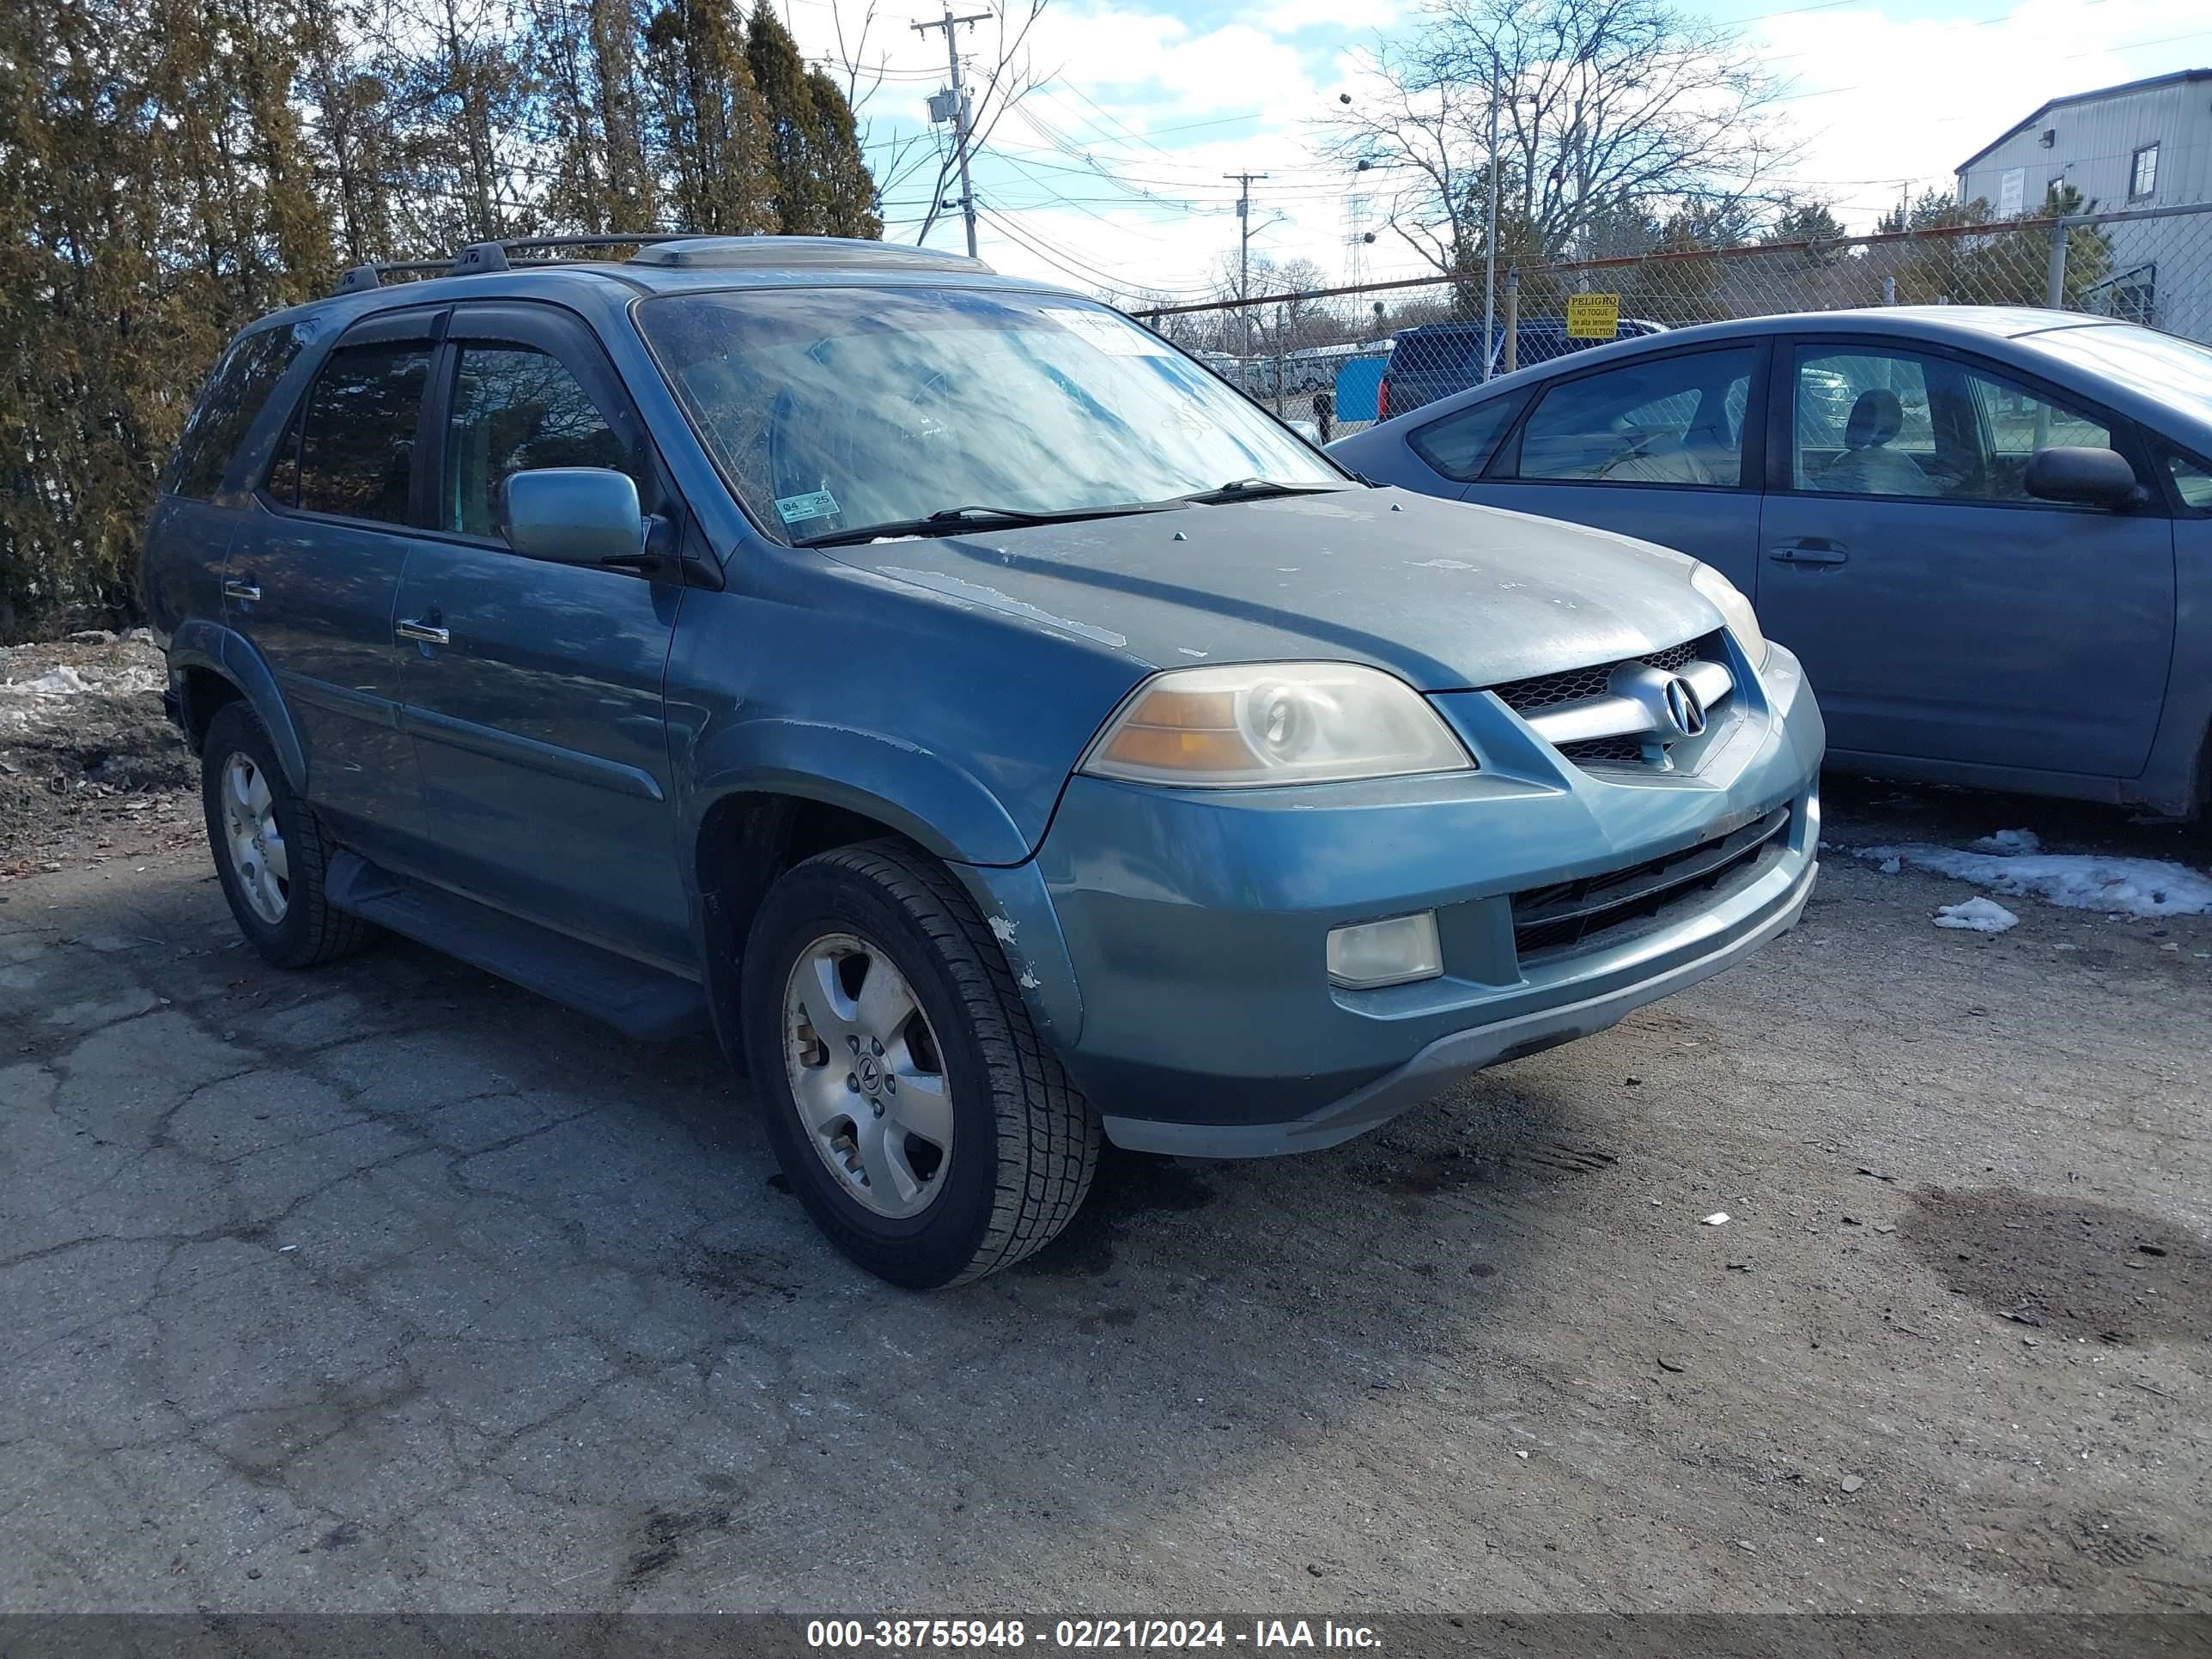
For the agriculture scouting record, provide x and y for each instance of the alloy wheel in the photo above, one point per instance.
(868, 1075)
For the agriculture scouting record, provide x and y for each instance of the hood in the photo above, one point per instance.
(1445, 595)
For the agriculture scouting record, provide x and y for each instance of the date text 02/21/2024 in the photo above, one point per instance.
(900, 1635)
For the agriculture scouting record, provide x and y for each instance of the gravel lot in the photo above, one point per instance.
(391, 1287)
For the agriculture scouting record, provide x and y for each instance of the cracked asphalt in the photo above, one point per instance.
(389, 1286)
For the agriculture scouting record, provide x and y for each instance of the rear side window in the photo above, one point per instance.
(1461, 444)
(356, 434)
(1675, 421)
(241, 383)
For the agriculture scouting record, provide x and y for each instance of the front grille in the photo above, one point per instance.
(1594, 751)
(1525, 698)
(1549, 920)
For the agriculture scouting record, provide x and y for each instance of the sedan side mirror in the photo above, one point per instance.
(2081, 476)
(575, 515)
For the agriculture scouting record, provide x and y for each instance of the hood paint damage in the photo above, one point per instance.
(1446, 594)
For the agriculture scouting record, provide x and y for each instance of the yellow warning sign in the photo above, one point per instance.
(1593, 316)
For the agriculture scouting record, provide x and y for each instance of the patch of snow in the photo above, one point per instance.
(1890, 866)
(1977, 915)
(1445, 564)
(2009, 841)
(1002, 930)
(68, 681)
(2117, 886)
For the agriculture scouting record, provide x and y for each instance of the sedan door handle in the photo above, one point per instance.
(246, 592)
(424, 633)
(1810, 549)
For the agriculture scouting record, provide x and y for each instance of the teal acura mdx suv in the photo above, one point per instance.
(1003, 734)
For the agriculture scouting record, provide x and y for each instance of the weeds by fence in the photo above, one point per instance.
(1318, 358)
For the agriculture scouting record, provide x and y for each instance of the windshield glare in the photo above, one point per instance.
(830, 410)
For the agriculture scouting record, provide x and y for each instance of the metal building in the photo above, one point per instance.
(2142, 144)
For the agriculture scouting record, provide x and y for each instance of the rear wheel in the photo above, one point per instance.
(270, 851)
(915, 1110)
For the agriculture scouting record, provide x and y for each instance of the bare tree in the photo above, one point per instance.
(1608, 113)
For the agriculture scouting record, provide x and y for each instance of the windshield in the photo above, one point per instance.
(2175, 371)
(833, 409)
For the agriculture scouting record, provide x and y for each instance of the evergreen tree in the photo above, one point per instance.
(780, 75)
(847, 189)
(713, 138)
(615, 31)
(1803, 222)
(821, 185)
(345, 92)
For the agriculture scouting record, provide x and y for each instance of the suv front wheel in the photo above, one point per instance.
(927, 1128)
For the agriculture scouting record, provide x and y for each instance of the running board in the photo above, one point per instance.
(641, 1002)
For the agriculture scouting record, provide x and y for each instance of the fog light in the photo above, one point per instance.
(1371, 953)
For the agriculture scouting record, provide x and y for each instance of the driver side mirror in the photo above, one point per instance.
(575, 515)
(2081, 476)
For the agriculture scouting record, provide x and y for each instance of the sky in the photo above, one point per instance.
(1109, 175)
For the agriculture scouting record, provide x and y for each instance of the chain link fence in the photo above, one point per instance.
(1335, 360)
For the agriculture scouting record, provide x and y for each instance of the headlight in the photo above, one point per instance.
(1735, 611)
(1261, 723)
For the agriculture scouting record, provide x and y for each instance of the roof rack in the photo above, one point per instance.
(677, 249)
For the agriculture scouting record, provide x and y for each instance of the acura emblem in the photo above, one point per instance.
(1684, 708)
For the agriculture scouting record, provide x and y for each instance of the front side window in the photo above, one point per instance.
(2142, 173)
(832, 409)
(241, 383)
(1675, 420)
(516, 407)
(356, 434)
(1874, 423)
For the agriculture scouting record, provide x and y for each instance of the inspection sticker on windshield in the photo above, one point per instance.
(1112, 335)
(794, 508)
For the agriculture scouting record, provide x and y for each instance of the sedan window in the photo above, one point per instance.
(2193, 479)
(1878, 423)
(1675, 421)
(1460, 445)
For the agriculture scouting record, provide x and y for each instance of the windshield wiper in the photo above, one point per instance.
(1253, 489)
(947, 520)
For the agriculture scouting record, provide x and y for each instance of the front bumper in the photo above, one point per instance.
(1449, 1059)
(1199, 1018)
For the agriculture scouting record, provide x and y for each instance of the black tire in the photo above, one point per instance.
(1025, 1143)
(310, 930)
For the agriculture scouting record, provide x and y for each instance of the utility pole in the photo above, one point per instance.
(1244, 251)
(1490, 238)
(957, 108)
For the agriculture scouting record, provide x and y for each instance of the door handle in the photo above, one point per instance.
(423, 633)
(244, 592)
(1809, 550)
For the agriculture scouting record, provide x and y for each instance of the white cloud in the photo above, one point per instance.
(1119, 180)
(1884, 100)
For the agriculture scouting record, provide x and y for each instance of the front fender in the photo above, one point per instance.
(198, 642)
(932, 799)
